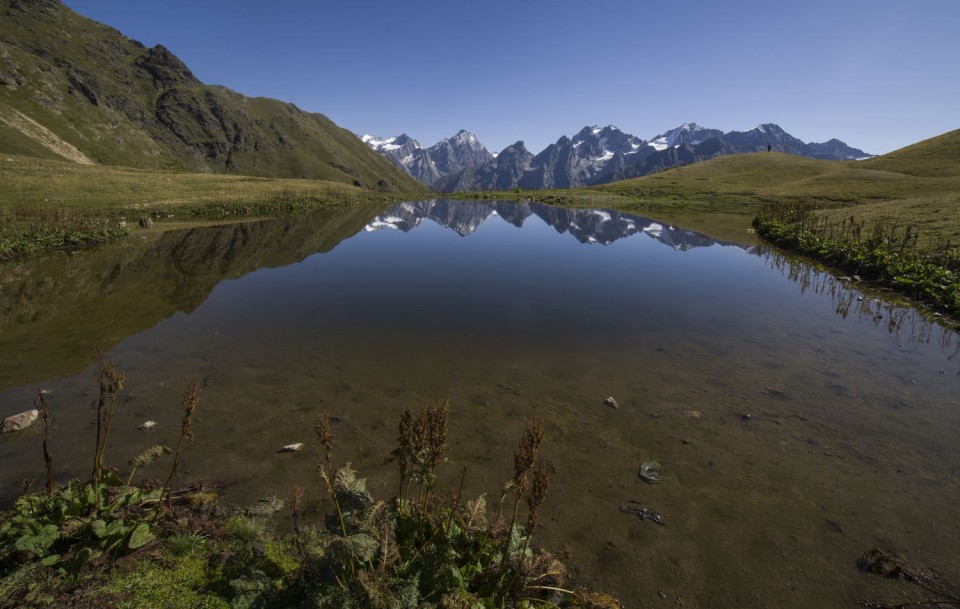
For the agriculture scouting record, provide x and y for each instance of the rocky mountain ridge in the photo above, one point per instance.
(599, 155)
(448, 156)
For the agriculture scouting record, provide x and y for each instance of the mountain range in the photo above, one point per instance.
(448, 156)
(77, 89)
(594, 155)
(588, 226)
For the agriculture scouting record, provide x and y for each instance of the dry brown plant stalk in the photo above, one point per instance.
(325, 470)
(523, 459)
(191, 398)
(296, 501)
(111, 383)
(40, 403)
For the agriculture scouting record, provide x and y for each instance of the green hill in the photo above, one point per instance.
(936, 157)
(72, 88)
(915, 186)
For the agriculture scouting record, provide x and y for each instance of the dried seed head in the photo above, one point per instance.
(406, 451)
(527, 452)
(191, 397)
(111, 380)
(437, 432)
(325, 434)
(541, 481)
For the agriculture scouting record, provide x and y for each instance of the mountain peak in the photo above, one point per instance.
(687, 133)
(769, 128)
(464, 135)
(449, 155)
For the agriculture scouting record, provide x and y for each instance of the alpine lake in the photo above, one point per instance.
(799, 419)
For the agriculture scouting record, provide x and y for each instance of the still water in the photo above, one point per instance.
(798, 420)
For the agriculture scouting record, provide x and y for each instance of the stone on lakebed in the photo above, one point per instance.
(20, 421)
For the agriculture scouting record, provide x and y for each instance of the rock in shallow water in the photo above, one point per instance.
(266, 506)
(650, 472)
(20, 421)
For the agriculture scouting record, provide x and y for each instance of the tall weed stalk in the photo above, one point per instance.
(111, 384)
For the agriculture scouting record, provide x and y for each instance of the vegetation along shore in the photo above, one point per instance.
(118, 541)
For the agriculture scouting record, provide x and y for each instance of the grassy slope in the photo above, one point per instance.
(122, 104)
(36, 182)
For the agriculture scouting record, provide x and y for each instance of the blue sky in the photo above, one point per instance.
(878, 74)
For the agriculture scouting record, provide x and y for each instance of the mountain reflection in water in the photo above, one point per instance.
(591, 226)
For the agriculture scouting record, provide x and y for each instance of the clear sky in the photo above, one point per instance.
(877, 74)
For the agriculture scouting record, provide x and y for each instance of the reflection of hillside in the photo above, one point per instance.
(586, 225)
(54, 311)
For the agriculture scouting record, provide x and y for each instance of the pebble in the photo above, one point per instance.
(611, 403)
(147, 425)
(291, 448)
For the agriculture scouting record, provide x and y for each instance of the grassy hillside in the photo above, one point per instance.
(936, 157)
(918, 185)
(33, 182)
(75, 89)
(49, 204)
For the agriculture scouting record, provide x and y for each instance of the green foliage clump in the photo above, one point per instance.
(884, 252)
(66, 530)
(26, 230)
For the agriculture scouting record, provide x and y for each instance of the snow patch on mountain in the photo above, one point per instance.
(381, 144)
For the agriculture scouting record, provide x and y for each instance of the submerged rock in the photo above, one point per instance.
(634, 507)
(20, 421)
(267, 506)
(650, 472)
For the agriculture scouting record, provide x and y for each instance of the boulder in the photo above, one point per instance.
(20, 421)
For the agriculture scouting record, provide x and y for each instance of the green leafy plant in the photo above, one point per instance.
(66, 527)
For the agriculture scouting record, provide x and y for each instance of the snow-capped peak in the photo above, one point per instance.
(687, 133)
(391, 143)
(465, 136)
(377, 142)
